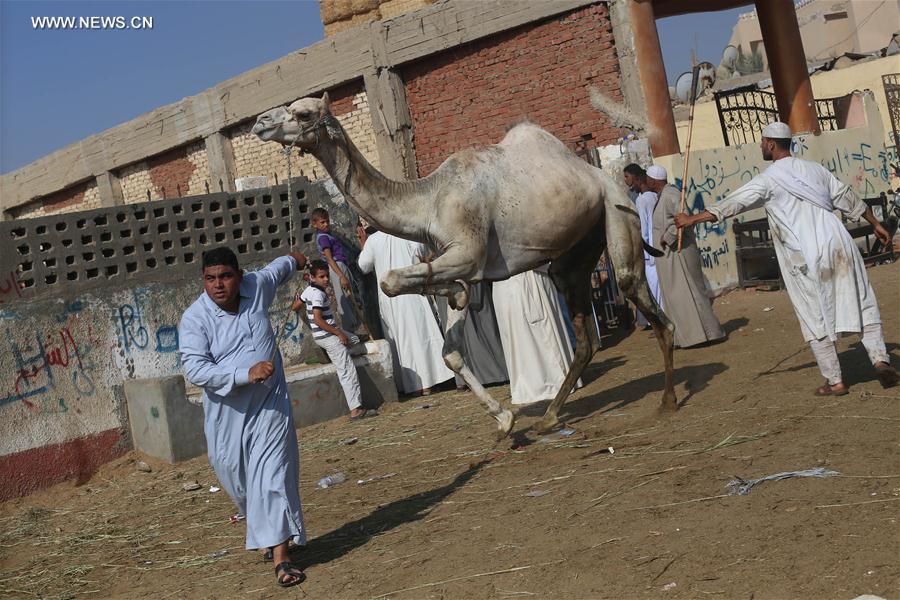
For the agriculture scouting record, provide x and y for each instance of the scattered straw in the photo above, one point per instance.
(464, 577)
(732, 440)
(856, 503)
(704, 499)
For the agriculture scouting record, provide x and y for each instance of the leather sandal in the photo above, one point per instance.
(285, 570)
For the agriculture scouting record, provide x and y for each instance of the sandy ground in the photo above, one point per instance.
(533, 516)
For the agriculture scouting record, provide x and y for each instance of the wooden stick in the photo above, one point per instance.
(695, 72)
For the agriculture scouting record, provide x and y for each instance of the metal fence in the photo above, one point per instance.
(891, 83)
(744, 111)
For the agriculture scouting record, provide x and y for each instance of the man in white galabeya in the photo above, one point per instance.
(822, 268)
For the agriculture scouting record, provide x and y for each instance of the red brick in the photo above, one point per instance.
(544, 71)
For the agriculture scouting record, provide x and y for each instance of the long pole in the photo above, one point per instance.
(695, 72)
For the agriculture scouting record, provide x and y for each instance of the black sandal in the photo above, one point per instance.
(287, 569)
(269, 555)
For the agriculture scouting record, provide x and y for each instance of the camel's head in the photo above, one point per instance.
(301, 124)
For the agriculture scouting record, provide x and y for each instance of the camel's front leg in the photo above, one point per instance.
(454, 357)
(441, 277)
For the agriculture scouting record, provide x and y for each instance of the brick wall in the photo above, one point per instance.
(471, 94)
(83, 196)
(253, 157)
(180, 172)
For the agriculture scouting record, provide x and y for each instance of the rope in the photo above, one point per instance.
(291, 241)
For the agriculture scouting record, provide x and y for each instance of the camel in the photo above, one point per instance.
(488, 214)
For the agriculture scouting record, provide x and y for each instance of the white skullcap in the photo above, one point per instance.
(657, 172)
(777, 131)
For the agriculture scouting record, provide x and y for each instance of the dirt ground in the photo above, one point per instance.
(534, 516)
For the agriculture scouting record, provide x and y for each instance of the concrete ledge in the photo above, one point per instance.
(163, 425)
(316, 394)
(167, 418)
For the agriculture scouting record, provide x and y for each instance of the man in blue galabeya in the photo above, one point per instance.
(228, 348)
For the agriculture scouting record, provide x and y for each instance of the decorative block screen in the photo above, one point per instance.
(153, 241)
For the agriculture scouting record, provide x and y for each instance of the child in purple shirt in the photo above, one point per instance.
(337, 257)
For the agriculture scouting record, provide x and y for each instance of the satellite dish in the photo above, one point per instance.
(729, 56)
(683, 87)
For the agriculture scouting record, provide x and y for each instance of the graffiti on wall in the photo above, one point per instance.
(864, 166)
(716, 173)
(10, 287)
(134, 331)
(48, 359)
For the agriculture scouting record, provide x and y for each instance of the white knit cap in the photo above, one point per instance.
(777, 131)
(657, 172)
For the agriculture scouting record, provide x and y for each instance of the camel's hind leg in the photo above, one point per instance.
(627, 256)
(571, 274)
(665, 335)
(454, 357)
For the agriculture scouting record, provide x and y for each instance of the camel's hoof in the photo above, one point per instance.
(505, 421)
(546, 424)
(459, 300)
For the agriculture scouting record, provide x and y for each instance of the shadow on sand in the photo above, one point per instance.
(695, 378)
(355, 534)
(855, 364)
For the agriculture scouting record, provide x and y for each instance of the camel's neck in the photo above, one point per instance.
(394, 207)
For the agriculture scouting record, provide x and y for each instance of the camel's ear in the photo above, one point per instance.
(326, 102)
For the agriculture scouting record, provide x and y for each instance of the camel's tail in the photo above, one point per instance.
(647, 247)
(619, 114)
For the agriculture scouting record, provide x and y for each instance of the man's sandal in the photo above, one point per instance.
(827, 390)
(366, 414)
(286, 569)
(887, 376)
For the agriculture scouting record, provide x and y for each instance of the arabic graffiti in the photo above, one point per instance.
(45, 360)
(864, 166)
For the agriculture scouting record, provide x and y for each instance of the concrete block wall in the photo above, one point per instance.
(69, 343)
(543, 72)
(253, 157)
(180, 172)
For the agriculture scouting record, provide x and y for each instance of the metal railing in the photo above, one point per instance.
(744, 111)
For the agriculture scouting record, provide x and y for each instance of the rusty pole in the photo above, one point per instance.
(787, 64)
(652, 74)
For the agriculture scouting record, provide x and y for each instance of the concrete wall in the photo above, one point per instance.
(858, 157)
(67, 345)
(825, 84)
(542, 71)
(828, 28)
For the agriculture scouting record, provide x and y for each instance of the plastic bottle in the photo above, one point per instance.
(332, 480)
